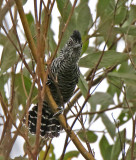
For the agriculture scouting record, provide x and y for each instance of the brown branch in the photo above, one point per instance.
(36, 13)
(17, 128)
(64, 149)
(72, 102)
(44, 26)
(121, 142)
(5, 9)
(85, 137)
(47, 150)
(133, 138)
(26, 28)
(38, 126)
(40, 11)
(125, 97)
(23, 84)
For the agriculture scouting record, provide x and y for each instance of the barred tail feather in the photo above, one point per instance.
(50, 126)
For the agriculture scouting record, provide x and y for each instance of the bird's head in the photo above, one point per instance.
(72, 49)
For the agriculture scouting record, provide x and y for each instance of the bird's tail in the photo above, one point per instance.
(50, 126)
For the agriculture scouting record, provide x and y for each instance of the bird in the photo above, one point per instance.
(62, 79)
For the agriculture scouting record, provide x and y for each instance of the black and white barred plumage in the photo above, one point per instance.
(65, 71)
(50, 126)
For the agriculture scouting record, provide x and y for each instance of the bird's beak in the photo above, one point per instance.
(77, 46)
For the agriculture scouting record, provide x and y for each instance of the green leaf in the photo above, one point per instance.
(41, 156)
(126, 68)
(125, 115)
(128, 78)
(121, 14)
(102, 5)
(131, 93)
(3, 80)
(129, 30)
(91, 136)
(30, 18)
(84, 17)
(105, 148)
(108, 124)
(64, 8)
(8, 58)
(50, 155)
(3, 39)
(68, 32)
(116, 149)
(19, 88)
(85, 45)
(2, 158)
(24, 2)
(70, 155)
(110, 58)
(52, 43)
(82, 84)
(114, 85)
(25, 71)
(104, 99)
(128, 154)
(31, 141)
(101, 98)
(132, 14)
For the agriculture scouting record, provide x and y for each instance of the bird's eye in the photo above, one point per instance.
(70, 43)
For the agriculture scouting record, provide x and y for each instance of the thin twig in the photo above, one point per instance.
(133, 138)
(121, 143)
(101, 111)
(47, 150)
(64, 149)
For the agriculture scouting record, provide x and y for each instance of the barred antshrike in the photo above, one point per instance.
(64, 69)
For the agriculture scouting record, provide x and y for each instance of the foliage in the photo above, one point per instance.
(110, 56)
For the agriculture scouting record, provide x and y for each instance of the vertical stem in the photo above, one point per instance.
(26, 28)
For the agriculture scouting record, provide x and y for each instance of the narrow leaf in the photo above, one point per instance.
(101, 6)
(105, 148)
(116, 149)
(8, 58)
(64, 8)
(82, 84)
(84, 18)
(129, 30)
(70, 155)
(104, 99)
(91, 136)
(110, 58)
(108, 124)
(129, 78)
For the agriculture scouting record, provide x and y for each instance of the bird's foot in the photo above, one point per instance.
(60, 110)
